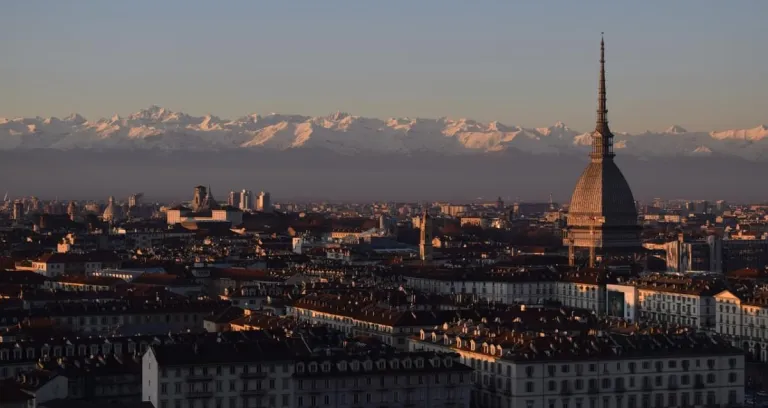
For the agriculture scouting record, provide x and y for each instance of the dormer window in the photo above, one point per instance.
(368, 365)
(448, 362)
(382, 364)
(131, 347)
(45, 351)
(419, 363)
(435, 362)
(118, 348)
(82, 350)
(300, 368)
(407, 363)
(312, 367)
(4, 355)
(355, 365)
(70, 351)
(94, 349)
(17, 354)
(30, 353)
(326, 367)
(342, 365)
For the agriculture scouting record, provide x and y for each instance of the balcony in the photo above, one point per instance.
(199, 378)
(253, 393)
(255, 374)
(199, 394)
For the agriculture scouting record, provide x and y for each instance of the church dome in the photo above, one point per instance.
(602, 192)
(112, 211)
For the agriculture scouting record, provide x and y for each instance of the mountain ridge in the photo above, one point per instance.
(158, 128)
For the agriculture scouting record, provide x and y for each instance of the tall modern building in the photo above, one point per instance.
(246, 200)
(18, 210)
(234, 199)
(425, 239)
(134, 200)
(264, 202)
(602, 216)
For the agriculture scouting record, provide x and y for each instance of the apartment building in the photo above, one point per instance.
(601, 369)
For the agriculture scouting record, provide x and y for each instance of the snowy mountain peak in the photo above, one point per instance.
(160, 128)
(675, 129)
(75, 118)
(153, 113)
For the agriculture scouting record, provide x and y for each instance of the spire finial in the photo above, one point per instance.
(602, 111)
(602, 145)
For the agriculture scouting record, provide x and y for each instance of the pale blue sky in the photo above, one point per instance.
(698, 63)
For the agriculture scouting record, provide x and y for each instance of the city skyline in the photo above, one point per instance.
(669, 66)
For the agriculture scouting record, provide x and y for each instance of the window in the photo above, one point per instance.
(529, 386)
(551, 386)
(528, 371)
(732, 377)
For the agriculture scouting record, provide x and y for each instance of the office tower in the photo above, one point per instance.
(264, 202)
(246, 200)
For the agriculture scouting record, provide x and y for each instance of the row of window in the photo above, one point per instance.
(659, 400)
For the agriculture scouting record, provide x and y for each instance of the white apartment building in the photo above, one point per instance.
(227, 375)
(743, 319)
(584, 289)
(397, 380)
(608, 370)
(269, 374)
(673, 299)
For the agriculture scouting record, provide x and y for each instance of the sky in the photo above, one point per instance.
(701, 64)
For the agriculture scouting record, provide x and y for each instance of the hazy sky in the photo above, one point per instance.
(697, 63)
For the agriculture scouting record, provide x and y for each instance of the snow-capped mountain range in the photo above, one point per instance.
(162, 129)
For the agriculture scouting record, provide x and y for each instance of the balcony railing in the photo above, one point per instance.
(254, 374)
(199, 394)
(199, 377)
(253, 393)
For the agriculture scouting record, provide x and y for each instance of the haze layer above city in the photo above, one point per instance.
(512, 104)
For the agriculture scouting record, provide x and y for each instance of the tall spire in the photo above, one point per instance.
(602, 110)
(602, 138)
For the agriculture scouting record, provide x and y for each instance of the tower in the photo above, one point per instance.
(234, 199)
(18, 210)
(199, 198)
(246, 200)
(72, 210)
(425, 241)
(134, 200)
(602, 216)
(264, 202)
